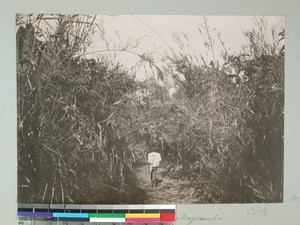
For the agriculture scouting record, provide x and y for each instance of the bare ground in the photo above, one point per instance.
(168, 190)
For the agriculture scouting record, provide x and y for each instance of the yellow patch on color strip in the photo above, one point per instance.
(142, 215)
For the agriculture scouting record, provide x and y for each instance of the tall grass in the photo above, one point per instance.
(230, 146)
(71, 143)
(83, 124)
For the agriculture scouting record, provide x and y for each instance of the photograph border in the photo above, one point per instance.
(285, 213)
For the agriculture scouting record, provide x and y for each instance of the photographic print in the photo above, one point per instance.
(116, 109)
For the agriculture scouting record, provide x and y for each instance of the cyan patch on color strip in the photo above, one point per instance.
(71, 215)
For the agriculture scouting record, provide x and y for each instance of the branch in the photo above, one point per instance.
(57, 153)
(154, 32)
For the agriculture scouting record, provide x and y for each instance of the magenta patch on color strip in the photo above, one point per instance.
(137, 220)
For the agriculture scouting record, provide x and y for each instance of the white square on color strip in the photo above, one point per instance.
(167, 207)
(113, 220)
(151, 206)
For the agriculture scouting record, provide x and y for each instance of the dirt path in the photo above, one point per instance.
(167, 191)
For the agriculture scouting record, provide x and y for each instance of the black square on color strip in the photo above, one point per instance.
(136, 211)
(167, 211)
(104, 211)
(151, 210)
(120, 211)
(40, 210)
(25, 209)
(73, 210)
(56, 210)
(89, 210)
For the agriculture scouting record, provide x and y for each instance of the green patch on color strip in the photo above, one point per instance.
(107, 215)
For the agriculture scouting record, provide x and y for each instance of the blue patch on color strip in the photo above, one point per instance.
(34, 214)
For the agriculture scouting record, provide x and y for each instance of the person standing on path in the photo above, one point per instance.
(154, 159)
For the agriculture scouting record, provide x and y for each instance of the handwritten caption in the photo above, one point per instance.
(295, 198)
(257, 211)
(191, 219)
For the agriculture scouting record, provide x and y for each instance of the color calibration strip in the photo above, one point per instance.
(97, 213)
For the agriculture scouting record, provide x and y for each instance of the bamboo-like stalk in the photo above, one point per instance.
(52, 194)
(45, 191)
(62, 192)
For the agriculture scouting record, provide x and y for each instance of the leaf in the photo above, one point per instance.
(160, 74)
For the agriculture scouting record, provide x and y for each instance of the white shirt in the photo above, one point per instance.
(154, 159)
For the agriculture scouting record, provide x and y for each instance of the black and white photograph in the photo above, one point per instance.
(150, 109)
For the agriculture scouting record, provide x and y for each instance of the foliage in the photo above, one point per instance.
(230, 141)
(84, 125)
(69, 112)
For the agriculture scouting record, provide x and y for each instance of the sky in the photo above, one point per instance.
(156, 35)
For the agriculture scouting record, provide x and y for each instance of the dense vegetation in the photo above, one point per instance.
(84, 124)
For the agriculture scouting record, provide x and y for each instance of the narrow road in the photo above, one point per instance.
(168, 190)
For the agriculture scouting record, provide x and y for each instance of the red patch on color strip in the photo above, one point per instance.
(167, 217)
